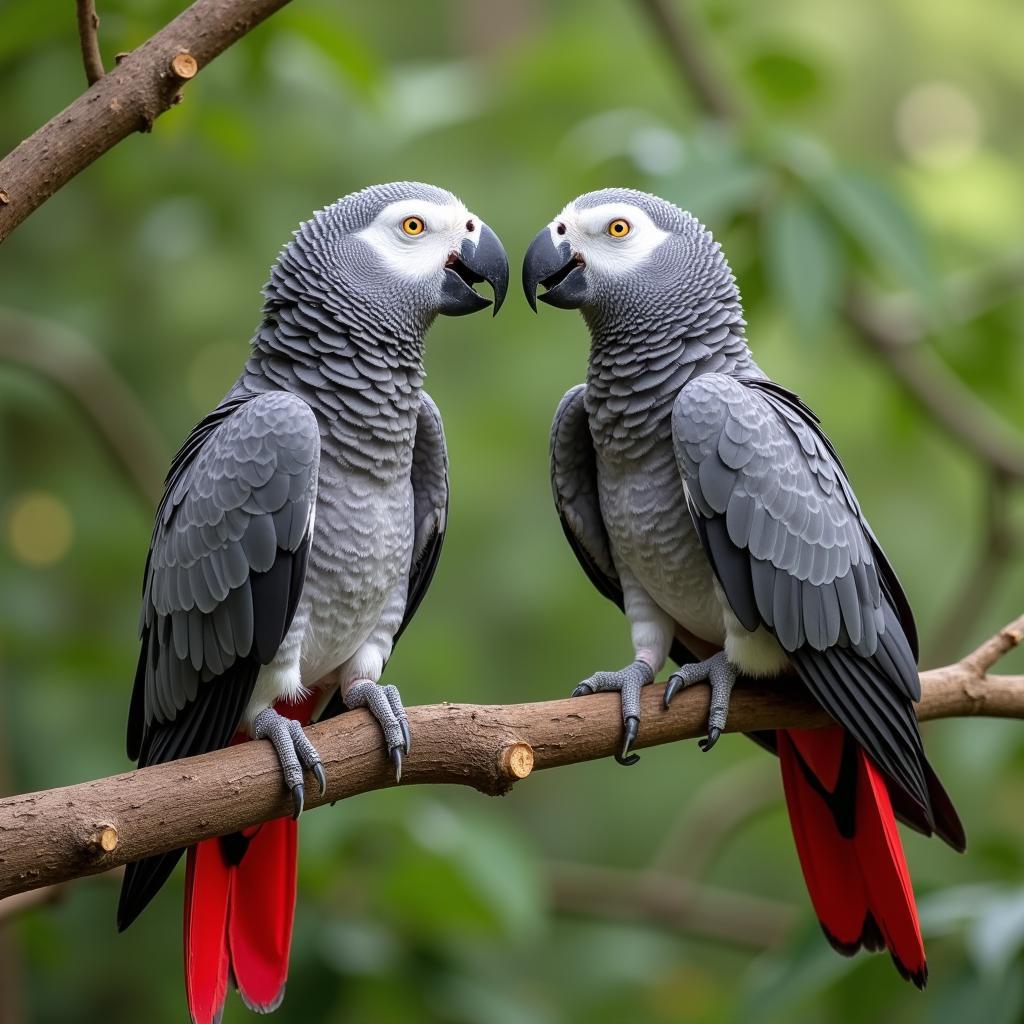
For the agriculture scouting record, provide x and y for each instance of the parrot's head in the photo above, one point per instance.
(399, 253)
(626, 258)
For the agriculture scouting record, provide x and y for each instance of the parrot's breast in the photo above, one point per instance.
(362, 545)
(651, 533)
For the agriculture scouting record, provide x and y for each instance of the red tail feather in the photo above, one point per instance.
(207, 893)
(262, 911)
(849, 847)
(239, 910)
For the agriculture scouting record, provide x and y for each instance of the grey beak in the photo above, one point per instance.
(556, 267)
(481, 259)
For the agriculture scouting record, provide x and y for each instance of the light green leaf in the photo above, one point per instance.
(802, 261)
(882, 226)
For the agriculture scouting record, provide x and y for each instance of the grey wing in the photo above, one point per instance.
(430, 504)
(224, 573)
(788, 543)
(574, 488)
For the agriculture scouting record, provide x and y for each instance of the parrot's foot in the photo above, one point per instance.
(720, 675)
(385, 704)
(294, 751)
(628, 682)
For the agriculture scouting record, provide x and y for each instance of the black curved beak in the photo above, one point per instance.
(480, 258)
(556, 267)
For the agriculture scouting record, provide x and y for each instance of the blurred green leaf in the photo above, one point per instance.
(350, 53)
(717, 178)
(802, 260)
(783, 981)
(882, 225)
(785, 78)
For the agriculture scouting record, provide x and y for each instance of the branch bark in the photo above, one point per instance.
(88, 26)
(80, 830)
(129, 99)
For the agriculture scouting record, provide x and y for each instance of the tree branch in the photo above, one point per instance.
(88, 24)
(79, 830)
(129, 99)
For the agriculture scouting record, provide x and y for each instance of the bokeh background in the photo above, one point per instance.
(861, 165)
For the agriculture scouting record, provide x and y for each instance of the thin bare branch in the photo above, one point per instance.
(678, 34)
(129, 99)
(88, 29)
(59, 834)
(939, 391)
(658, 898)
(719, 808)
(985, 656)
(1000, 543)
(79, 370)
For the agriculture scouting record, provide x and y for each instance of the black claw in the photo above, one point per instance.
(711, 740)
(298, 799)
(632, 726)
(396, 760)
(582, 690)
(318, 771)
(406, 736)
(671, 689)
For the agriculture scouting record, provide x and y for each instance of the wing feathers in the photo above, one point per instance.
(788, 543)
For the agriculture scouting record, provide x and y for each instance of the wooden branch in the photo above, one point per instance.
(144, 84)
(79, 830)
(88, 26)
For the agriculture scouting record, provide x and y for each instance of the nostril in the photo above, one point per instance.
(561, 229)
(470, 226)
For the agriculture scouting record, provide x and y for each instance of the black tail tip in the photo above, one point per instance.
(918, 978)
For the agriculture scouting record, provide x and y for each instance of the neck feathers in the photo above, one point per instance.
(645, 348)
(363, 387)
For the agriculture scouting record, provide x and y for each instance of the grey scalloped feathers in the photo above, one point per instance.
(299, 529)
(706, 501)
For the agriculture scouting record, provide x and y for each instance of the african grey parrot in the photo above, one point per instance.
(706, 501)
(298, 532)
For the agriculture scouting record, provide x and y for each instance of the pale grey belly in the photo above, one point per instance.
(651, 533)
(362, 545)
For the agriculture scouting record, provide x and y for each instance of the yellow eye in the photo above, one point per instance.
(619, 228)
(413, 226)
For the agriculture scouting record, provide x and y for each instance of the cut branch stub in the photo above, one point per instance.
(184, 65)
(105, 839)
(517, 760)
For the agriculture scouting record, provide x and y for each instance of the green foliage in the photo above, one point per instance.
(434, 906)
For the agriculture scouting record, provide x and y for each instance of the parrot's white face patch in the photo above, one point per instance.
(592, 232)
(415, 238)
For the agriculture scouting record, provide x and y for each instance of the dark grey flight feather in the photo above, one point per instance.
(786, 538)
(574, 486)
(429, 477)
(223, 577)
